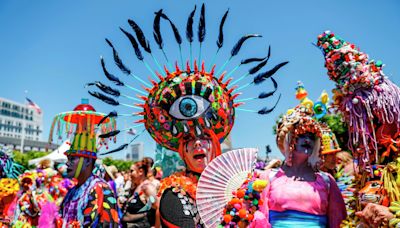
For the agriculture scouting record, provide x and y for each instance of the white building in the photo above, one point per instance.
(14, 116)
(136, 153)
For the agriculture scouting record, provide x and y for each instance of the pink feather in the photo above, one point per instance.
(48, 216)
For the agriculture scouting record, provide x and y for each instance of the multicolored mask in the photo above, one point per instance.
(188, 104)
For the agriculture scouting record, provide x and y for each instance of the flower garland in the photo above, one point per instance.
(245, 202)
(180, 182)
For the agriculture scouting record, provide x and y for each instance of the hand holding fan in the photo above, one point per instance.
(225, 174)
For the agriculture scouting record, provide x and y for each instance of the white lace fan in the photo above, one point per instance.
(225, 174)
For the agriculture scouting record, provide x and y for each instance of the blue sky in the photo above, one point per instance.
(52, 48)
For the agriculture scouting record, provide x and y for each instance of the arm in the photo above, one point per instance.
(128, 217)
(377, 214)
(336, 207)
(151, 192)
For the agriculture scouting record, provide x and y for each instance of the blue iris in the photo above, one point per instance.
(188, 107)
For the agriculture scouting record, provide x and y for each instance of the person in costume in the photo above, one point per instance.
(91, 203)
(370, 103)
(298, 195)
(188, 108)
(9, 186)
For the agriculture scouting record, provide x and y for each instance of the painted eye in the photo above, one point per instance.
(189, 107)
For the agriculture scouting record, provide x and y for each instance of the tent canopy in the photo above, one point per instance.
(55, 156)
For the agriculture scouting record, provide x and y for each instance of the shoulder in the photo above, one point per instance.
(327, 178)
(102, 186)
(269, 174)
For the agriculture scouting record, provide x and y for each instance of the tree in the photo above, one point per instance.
(24, 158)
(121, 165)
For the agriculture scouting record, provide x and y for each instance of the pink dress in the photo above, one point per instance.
(318, 201)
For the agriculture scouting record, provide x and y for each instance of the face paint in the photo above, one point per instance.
(74, 166)
(198, 153)
(79, 168)
(305, 143)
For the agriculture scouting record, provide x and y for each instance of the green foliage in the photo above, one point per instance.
(23, 158)
(121, 165)
(338, 126)
(335, 123)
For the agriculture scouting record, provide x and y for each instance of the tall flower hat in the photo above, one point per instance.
(369, 101)
(305, 118)
(193, 98)
(84, 126)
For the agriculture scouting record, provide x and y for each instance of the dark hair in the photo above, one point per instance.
(143, 166)
(149, 161)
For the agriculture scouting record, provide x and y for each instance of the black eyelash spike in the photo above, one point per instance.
(220, 40)
(236, 48)
(117, 60)
(109, 76)
(266, 110)
(262, 76)
(140, 36)
(189, 32)
(202, 29)
(178, 37)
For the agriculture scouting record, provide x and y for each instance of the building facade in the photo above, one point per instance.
(19, 120)
(136, 153)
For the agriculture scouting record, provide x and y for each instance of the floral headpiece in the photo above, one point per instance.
(347, 65)
(369, 101)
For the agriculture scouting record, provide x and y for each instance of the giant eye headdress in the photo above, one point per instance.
(186, 100)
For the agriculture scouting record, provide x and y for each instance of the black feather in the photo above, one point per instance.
(134, 43)
(109, 134)
(202, 25)
(104, 98)
(140, 36)
(178, 37)
(116, 150)
(105, 88)
(117, 60)
(189, 26)
(258, 67)
(109, 76)
(251, 60)
(268, 94)
(90, 84)
(240, 42)
(156, 29)
(266, 110)
(269, 51)
(220, 41)
(111, 114)
(262, 76)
